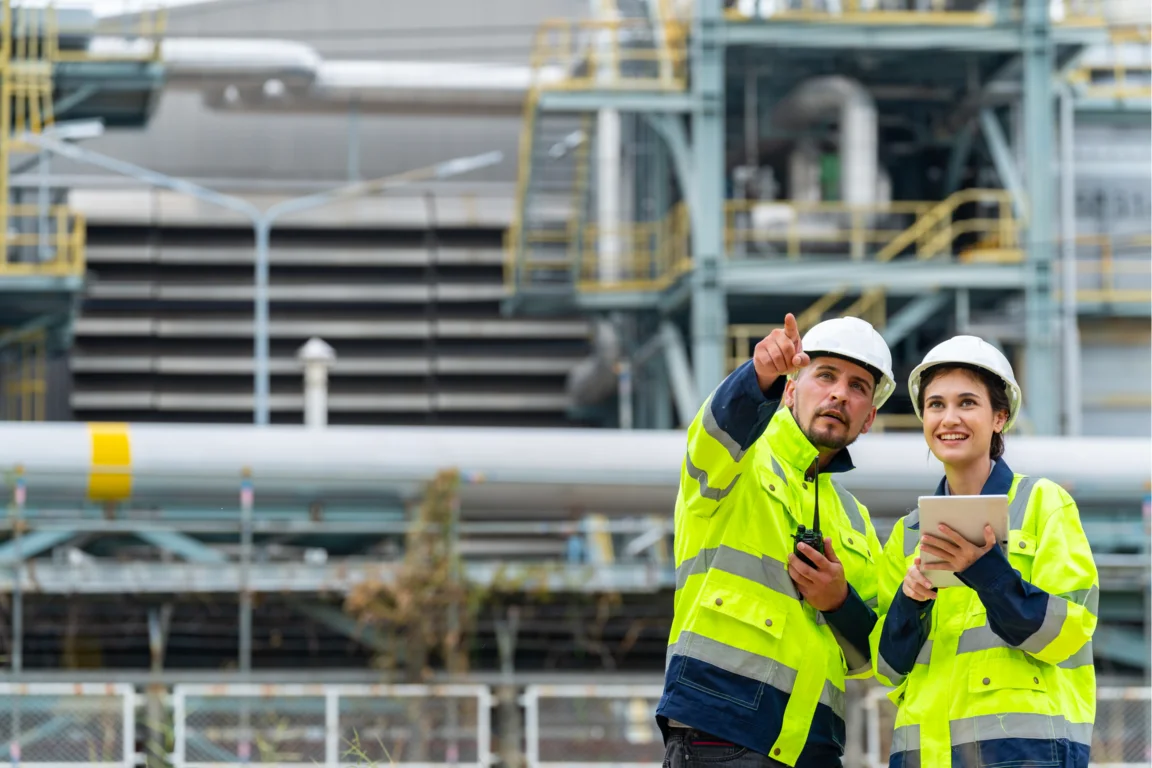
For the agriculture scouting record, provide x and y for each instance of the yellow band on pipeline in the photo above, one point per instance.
(110, 478)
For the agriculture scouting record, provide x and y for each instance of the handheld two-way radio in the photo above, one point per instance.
(813, 538)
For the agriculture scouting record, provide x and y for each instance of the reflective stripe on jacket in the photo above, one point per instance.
(748, 660)
(999, 671)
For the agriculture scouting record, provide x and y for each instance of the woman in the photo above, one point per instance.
(997, 672)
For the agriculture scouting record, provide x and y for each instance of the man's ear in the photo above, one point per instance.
(869, 421)
(790, 393)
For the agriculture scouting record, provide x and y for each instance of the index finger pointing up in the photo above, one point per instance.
(790, 328)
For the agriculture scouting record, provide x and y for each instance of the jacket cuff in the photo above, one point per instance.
(749, 385)
(853, 619)
(908, 609)
(992, 566)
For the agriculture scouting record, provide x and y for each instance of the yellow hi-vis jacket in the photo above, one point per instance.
(997, 672)
(748, 660)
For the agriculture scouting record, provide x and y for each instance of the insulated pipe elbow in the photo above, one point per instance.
(856, 113)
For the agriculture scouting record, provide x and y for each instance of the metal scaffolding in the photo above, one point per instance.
(732, 245)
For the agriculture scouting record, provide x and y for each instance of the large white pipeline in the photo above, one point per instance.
(289, 76)
(523, 470)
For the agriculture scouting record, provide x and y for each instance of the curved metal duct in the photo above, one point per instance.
(593, 379)
(847, 99)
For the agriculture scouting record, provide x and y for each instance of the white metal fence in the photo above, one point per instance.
(1121, 737)
(400, 726)
(64, 725)
(592, 726)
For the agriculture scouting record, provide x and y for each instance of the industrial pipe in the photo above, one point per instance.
(532, 470)
(855, 109)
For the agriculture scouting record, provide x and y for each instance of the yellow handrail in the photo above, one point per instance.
(57, 251)
(24, 375)
(523, 169)
(570, 54)
(804, 228)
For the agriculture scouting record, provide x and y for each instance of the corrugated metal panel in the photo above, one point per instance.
(1116, 357)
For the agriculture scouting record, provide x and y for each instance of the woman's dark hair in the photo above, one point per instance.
(997, 395)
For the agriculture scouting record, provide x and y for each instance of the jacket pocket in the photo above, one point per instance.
(737, 667)
(1022, 552)
(1005, 674)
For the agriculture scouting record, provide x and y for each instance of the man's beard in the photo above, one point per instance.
(823, 437)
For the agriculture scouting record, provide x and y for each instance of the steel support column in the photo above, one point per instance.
(1003, 161)
(1041, 374)
(685, 394)
(1070, 336)
(709, 312)
(961, 150)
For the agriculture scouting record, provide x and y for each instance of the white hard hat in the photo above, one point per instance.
(969, 350)
(855, 339)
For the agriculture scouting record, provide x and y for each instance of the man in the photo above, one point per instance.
(762, 641)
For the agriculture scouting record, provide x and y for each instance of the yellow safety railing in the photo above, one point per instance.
(42, 242)
(928, 228)
(1108, 278)
(1113, 80)
(36, 241)
(871, 306)
(620, 54)
(23, 375)
(29, 65)
(935, 232)
(642, 256)
(513, 236)
(1102, 277)
(938, 13)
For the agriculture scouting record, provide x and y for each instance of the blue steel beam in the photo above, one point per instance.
(709, 315)
(1002, 159)
(684, 391)
(784, 34)
(32, 544)
(183, 546)
(898, 278)
(913, 316)
(958, 158)
(671, 129)
(1041, 374)
(898, 37)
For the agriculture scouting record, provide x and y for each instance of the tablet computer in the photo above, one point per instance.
(967, 515)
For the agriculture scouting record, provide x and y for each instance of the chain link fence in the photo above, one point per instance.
(50, 724)
(592, 725)
(1121, 737)
(300, 725)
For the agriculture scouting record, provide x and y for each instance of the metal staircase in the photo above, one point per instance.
(552, 196)
(552, 244)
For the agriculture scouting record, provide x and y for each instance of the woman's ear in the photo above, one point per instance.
(999, 419)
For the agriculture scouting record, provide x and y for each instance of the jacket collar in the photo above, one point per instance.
(999, 481)
(791, 446)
